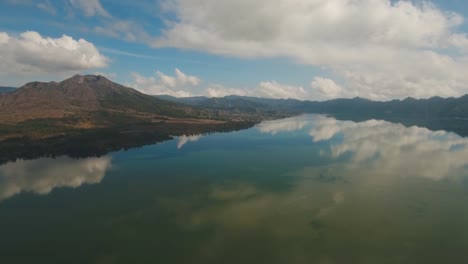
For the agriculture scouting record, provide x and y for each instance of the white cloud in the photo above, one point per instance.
(90, 7)
(32, 53)
(266, 89)
(179, 79)
(180, 85)
(221, 91)
(326, 88)
(276, 90)
(4, 38)
(41, 176)
(183, 85)
(280, 24)
(184, 79)
(380, 49)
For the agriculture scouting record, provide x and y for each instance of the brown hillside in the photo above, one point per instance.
(81, 95)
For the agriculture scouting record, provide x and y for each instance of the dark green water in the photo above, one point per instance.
(309, 189)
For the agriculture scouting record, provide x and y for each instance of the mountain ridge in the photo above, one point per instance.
(93, 101)
(89, 104)
(433, 107)
(81, 95)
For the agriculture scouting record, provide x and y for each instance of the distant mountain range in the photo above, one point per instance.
(432, 108)
(42, 109)
(242, 104)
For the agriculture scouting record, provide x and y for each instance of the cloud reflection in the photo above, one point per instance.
(281, 220)
(325, 128)
(385, 148)
(185, 139)
(41, 176)
(284, 125)
(376, 186)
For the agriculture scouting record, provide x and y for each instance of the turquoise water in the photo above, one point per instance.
(308, 189)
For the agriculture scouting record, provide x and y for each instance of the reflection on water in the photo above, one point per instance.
(383, 148)
(41, 176)
(308, 189)
(185, 139)
(284, 125)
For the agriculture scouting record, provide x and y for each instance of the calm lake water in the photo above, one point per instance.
(308, 189)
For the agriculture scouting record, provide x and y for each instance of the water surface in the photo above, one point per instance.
(308, 189)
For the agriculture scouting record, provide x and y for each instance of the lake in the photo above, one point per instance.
(307, 189)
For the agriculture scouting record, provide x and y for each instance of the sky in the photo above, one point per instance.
(302, 49)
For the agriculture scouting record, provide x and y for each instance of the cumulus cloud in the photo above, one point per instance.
(31, 53)
(43, 175)
(246, 25)
(4, 38)
(179, 85)
(276, 90)
(379, 49)
(179, 79)
(90, 7)
(183, 85)
(221, 91)
(327, 88)
(266, 89)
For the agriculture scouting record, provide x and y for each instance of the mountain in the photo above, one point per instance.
(5, 89)
(83, 97)
(93, 105)
(240, 106)
(432, 108)
(94, 102)
(194, 101)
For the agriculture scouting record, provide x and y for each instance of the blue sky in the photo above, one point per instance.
(305, 49)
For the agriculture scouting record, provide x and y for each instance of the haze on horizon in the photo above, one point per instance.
(303, 49)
